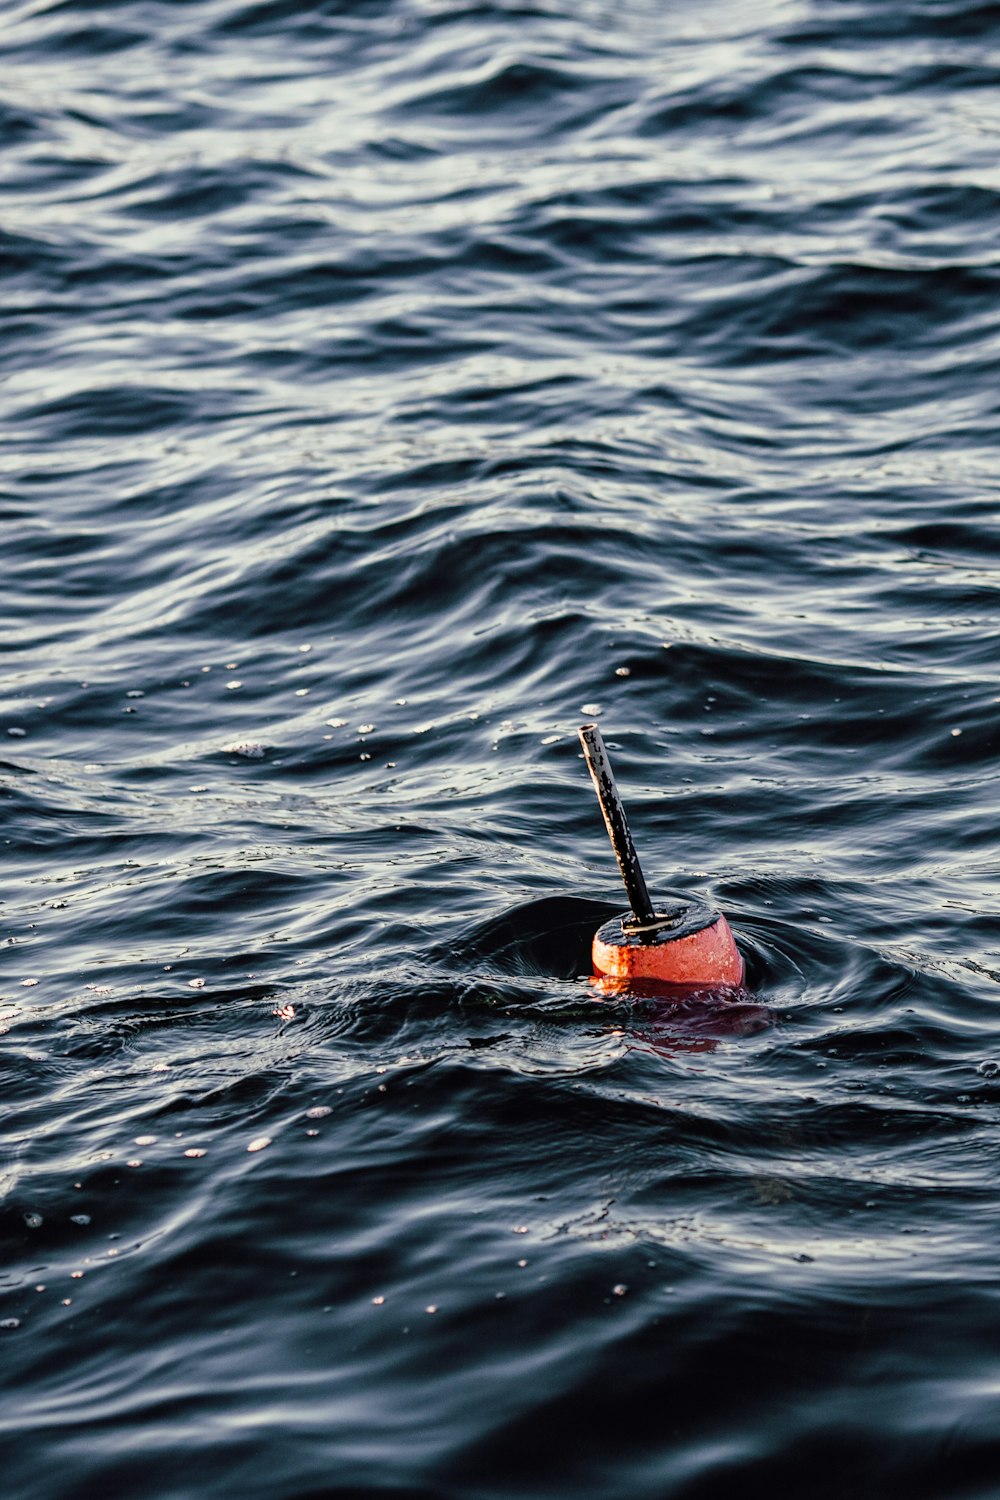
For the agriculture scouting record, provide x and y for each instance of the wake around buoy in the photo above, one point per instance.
(686, 945)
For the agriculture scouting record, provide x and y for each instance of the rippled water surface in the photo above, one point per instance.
(386, 388)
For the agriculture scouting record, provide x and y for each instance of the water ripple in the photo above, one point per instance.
(389, 387)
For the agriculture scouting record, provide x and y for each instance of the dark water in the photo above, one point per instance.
(386, 388)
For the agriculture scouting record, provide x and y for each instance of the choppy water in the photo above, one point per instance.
(386, 387)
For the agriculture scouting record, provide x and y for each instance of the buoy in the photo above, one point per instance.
(687, 944)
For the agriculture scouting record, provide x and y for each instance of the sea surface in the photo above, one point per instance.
(387, 388)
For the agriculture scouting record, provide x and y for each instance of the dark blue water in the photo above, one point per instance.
(386, 388)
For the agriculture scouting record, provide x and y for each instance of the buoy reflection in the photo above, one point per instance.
(678, 1018)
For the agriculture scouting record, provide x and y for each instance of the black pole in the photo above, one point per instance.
(596, 755)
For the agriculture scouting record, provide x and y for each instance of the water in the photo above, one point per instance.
(387, 388)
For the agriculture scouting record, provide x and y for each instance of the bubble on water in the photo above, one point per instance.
(196, 984)
(194, 1151)
(135, 693)
(989, 1070)
(304, 649)
(623, 671)
(145, 1140)
(28, 984)
(233, 684)
(520, 1229)
(34, 1221)
(302, 692)
(9, 1323)
(232, 666)
(378, 1301)
(259, 1143)
(79, 1218)
(619, 1289)
(319, 1112)
(551, 739)
(76, 1275)
(135, 1162)
(335, 723)
(431, 1307)
(955, 733)
(365, 728)
(16, 732)
(594, 710)
(249, 750)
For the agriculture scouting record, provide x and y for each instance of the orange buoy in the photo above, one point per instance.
(696, 948)
(689, 944)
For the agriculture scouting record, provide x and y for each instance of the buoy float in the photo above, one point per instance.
(687, 945)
